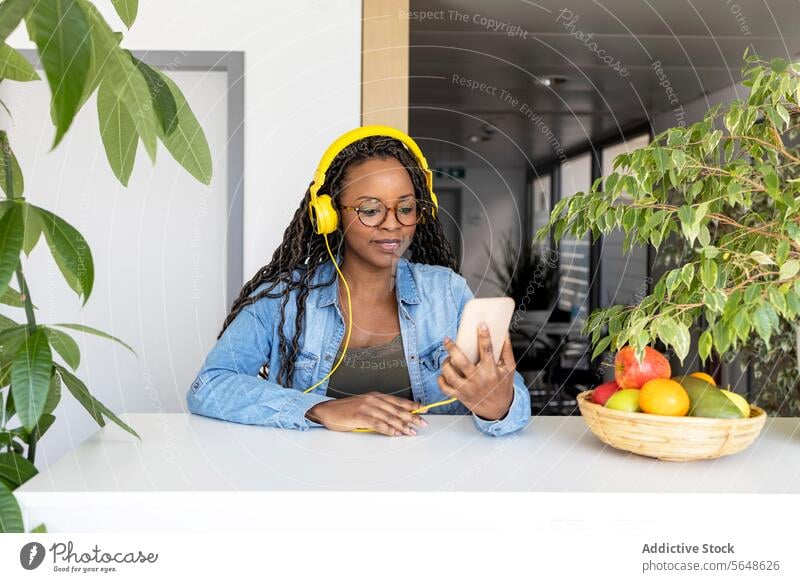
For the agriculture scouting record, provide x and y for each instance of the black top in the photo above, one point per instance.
(380, 368)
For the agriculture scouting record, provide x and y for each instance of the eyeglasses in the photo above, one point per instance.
(373, 212)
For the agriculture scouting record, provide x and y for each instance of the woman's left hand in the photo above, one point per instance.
(486, 388)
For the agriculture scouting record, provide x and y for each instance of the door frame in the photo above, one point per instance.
(232, 63)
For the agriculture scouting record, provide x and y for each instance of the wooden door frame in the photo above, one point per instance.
(384, 63)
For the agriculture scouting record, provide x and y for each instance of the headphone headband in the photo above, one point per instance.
(320, 208)
(358, 133)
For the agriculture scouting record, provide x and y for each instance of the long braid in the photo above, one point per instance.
(302, 251)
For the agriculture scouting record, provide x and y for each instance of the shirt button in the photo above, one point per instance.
(328, 358)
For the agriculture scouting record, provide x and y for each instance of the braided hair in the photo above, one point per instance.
(304, 251)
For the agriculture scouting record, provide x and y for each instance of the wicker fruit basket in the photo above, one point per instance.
(671, 438)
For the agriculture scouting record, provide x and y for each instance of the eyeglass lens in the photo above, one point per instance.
(373, 212)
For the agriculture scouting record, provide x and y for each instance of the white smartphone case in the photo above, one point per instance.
(496, 312)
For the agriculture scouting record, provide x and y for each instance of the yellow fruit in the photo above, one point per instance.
(739, 401)
(704, 376)
(665, 397)
(626, 400)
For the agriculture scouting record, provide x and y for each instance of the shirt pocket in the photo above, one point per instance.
(304, 364)
(431, 360)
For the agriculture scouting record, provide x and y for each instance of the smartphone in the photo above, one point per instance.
(496, 312)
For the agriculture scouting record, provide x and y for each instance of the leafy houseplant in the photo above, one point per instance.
(736, 213)
(774, 365)
(80, 53)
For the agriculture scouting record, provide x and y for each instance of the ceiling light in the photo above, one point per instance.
(552, 80)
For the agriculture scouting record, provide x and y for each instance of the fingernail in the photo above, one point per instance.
(446, 340)
(412, 431)
(397, 433)
(484, 327)
(424, 422)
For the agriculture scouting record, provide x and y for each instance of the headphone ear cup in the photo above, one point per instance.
(325, 217)
(435, 208)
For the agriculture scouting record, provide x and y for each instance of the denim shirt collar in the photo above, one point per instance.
(405, 286)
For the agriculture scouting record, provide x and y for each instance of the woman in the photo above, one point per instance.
(285, 331)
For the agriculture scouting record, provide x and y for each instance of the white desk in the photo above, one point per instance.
(189, 455)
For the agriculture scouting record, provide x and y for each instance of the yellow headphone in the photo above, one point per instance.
(320, 208)
(326, 220)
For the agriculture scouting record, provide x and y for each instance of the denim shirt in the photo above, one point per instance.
(430, 302)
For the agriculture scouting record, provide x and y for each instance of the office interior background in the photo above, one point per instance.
(516, 105)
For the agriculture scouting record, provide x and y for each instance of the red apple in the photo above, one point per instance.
(604, 392)
(631, 374)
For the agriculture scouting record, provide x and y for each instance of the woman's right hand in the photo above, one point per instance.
(382, 413)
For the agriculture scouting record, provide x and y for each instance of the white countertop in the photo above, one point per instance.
(190, 453)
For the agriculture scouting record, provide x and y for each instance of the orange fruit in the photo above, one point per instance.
(704, 376)
(665, 397)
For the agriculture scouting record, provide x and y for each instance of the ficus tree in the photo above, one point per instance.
(724, 185)
(81, 55)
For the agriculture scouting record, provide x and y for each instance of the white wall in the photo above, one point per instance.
(302, 89)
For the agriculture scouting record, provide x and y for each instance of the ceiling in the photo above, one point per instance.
(699, 45)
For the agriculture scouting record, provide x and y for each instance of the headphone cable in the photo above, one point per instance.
(419, 410)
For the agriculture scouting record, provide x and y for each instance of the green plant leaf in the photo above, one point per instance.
(95, 408)
(763, 319)
(762, 258)
(45, 422)
(33, 228)
(53, 394)
(772, 182)
(187, 143)
(16, 469)
(10, 514)
(695, 189)
(789, 269)
(118, 133)
(10, 340)
(124, 78)
(675, 334)
(601, 346)
(61, 33)
(777, 298)
(708, 274)
(8, 161)
(14, 66)
(11, 236)
(778, 65)
(70, 251)
(12, 297)
(163, 100)
(86, 329)
(126, 9)
(66, 347)
(30, 377)
(79, 391)
(704, 345)
(783, 252)
(11, 14)
(41, 528)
